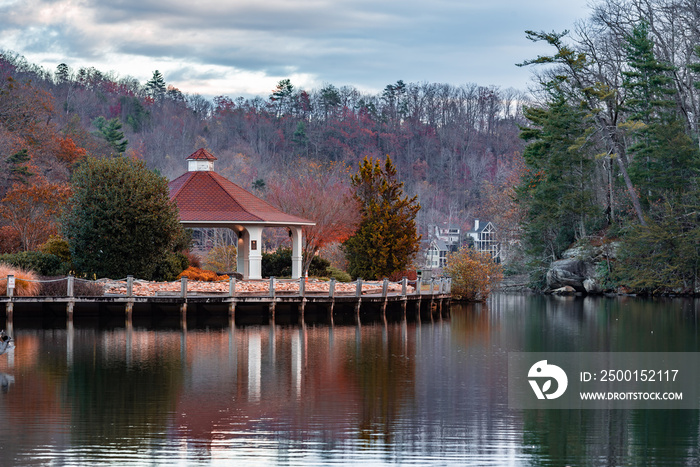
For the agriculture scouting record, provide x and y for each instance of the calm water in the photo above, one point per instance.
(422, 393)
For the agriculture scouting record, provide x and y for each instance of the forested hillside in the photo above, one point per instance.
(602, 151)
(445, 141)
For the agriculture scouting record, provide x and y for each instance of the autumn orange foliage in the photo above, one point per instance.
(31, 210)
(399, 275)
(9, 240)
(67, 151)
(321, 193)
(25, 281)
(203, 275)
(473, 273)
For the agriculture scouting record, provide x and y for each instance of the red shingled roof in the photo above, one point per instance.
(201, 155)
(205, 196)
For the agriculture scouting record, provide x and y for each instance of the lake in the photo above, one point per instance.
(421, 392)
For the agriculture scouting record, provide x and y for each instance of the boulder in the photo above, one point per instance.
(592, 287)
(566, 290)
(567, 272)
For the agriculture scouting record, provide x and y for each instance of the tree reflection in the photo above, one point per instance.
(384, 377)
(121, 403)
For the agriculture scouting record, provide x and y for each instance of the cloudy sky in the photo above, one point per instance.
(243, 47)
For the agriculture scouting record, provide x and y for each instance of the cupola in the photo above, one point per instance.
(200, 161)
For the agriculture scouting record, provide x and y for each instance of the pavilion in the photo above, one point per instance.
(208, 200)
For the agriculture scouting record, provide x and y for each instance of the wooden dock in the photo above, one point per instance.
(367, 299)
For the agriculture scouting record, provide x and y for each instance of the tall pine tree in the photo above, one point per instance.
(556, 189)
(386, 240)
(155, 87)
(110, 130)
(664, 254)
(665, 160)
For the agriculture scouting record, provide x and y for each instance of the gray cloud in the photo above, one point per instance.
(359, 42)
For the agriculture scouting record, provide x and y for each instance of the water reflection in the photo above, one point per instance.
(402, 392)
(5, 382)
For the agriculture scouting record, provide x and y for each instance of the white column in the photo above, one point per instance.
(254, 242)
(296, 252)
(241, 253)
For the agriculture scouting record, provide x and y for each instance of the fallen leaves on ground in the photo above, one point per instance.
(149, 289)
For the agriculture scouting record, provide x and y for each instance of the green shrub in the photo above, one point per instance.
(319, 267)
(339, 275)
(279, 264)
(44, 264)
(121, 219)
(170, 268)
(57, 246)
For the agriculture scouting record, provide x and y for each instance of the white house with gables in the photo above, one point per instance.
(436, 254)
(484, 237)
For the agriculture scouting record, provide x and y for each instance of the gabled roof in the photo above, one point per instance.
(201, 155)
(482, 227)
(208, 197)
(440, 245)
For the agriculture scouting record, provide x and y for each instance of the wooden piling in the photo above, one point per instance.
(70, 293)
(385, 291)
(9, 307)
(302, 305)
(271, 312)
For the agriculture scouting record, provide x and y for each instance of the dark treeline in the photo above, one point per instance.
(445, 140)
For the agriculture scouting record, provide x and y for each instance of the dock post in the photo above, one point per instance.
(70, 292)
(183, 287)
(232, 296)
(10, 307)
(331, 296)
(302, 302)
(271, 309)
(358, 296)
(419, 287)
(183, 306)
(232, 309)
(385, 292)
(272, 302)
(129, 311)
(129, 308)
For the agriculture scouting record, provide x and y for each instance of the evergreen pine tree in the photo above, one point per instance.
(110, 130)
(556, 190)
(665, 158)
(19, 172)
(664, 254)
(386, 240)
(155, 87)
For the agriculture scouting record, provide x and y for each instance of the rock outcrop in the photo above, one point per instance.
(568, 272)
(580, 268)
